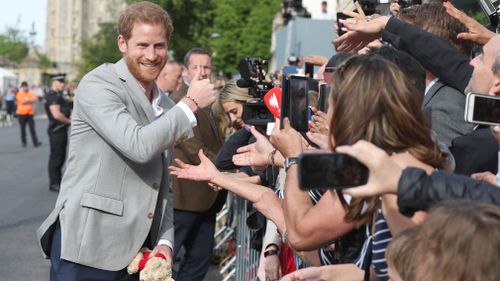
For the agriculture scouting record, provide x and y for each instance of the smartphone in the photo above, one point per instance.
(309, 70)
(482, 109)
(294, 102)
(330, 170)
(341, 16)
(324, 94)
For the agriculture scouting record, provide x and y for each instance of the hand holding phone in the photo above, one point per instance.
(340, 26)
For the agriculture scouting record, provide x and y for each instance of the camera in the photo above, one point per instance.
(255, 111)
(491, 9)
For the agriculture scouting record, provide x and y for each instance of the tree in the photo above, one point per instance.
(99, 49)
(13, 44)
(244, 29)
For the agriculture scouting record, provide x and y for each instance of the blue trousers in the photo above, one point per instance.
(194, 231)
(62, 270)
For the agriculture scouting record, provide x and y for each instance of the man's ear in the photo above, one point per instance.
(122, 44)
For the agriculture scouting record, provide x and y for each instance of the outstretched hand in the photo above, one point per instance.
(255, 154)
(384, 172)
(477, 32)
(206, 171)
(360, 33)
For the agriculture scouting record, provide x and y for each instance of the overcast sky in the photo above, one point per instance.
(27, 12)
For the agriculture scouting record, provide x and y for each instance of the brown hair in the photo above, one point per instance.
(144, 12)
(433, 18)
(399, 253)
(372, 102)
(460, 240)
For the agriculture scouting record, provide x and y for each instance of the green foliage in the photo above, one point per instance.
(99, 49)
(481, 17)
(244, 29)
(13, 44)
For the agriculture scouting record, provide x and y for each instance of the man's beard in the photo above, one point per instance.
(140, 73)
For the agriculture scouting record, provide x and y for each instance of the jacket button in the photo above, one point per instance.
(150, 215)
(156, 185)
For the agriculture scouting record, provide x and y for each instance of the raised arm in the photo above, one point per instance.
(443, 60)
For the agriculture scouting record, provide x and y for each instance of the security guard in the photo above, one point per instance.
(58, 112)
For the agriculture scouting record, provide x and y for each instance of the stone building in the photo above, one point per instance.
(68, 22)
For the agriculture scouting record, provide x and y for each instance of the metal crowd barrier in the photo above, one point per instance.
(244, 265)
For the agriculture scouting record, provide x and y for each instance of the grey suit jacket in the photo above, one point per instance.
(444, 108)
(116, 188)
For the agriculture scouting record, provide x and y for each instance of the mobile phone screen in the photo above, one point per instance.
(486, 109)
(298, 89)
(324, 93)
(330, 170)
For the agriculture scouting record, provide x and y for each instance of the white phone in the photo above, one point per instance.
(482, 109)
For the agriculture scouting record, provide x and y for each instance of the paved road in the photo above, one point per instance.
(25, 201)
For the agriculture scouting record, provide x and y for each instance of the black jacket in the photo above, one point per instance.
(436, 55)
(418, 191)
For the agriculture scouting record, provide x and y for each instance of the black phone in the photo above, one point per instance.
(294, 103)
(482, 109)
(324, 94)
(309, 70)
(341, 16)
(330, 170)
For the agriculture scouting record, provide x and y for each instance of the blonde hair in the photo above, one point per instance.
(399, 253)
(459, 240)
(229, 93)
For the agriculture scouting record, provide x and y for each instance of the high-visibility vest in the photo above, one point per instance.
(25, 108)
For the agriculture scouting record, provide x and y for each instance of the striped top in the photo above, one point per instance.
(374, 248)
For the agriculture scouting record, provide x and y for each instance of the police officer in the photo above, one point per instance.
(58, 112)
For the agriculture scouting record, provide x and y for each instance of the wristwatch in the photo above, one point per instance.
(289, 161)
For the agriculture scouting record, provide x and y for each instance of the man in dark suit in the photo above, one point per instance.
(444, 108)
(195, 203)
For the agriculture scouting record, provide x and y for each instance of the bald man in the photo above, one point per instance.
(170, 78)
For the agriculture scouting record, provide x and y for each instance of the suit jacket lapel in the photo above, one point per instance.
(432, 91)
(136, 91)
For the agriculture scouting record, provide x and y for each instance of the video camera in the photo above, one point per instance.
(491, 9)
(255, 111)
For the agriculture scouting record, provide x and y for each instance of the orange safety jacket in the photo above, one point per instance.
(23, 107)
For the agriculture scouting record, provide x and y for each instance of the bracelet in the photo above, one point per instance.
(271, 157)
(191, 98)
(270, 253)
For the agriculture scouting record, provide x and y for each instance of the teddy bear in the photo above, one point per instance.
(150, 268)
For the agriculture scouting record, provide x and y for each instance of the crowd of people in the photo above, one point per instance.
(54, 101)
(155, 147)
